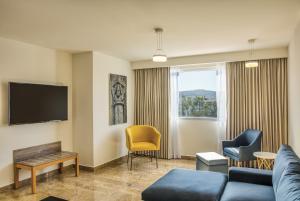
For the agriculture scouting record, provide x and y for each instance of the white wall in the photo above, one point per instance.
(28, 63)
(83, 107)
(293, 91)
(96, 140)
(198, 135)
(64, 76)
(109, 141)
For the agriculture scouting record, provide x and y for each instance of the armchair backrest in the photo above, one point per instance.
(248, 137)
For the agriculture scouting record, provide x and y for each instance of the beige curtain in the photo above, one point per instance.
(257, 98)
(152, 102)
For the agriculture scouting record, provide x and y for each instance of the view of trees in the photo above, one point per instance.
(197, 106)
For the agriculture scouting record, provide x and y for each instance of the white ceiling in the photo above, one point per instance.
(124, 28)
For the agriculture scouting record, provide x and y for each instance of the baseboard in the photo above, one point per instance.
(188, 157)
(41, 177)
(93, 169)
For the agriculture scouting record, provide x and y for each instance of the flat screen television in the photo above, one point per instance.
(36, 103)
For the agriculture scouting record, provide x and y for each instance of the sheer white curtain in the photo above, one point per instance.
(221, 103)
(174, 101)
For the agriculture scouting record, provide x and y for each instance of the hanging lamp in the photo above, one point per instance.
(251, 63)
(159, 55)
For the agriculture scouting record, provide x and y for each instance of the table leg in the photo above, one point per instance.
(265, 164)
(16, 177)
(33, 180)
(260, 163)
(60, 167)
(268, 164)
(77, 166)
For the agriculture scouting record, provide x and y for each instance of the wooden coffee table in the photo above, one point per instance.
(265, 160)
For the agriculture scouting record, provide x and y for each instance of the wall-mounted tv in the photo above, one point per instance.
(36, 103)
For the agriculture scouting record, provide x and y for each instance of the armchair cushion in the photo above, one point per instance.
(232, 152)
(251, 175)
(240, 191)
(143, 146)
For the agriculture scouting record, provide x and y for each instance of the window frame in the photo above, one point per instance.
(198, 68)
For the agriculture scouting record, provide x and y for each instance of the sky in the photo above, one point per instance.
(203, 79)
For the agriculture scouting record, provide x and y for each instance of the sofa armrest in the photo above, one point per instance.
(251, 175)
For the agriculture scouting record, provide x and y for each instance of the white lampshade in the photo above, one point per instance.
(251, 64)
(159, 58)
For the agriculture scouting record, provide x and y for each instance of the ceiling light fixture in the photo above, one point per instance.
(251, 63)
(159, 55)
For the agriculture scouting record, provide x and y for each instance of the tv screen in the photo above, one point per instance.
(35, 103)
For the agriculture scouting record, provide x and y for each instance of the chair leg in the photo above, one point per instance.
(156, 155)
(130, 161)
(128, 157)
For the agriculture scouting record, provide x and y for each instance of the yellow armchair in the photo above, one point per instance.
(142, 138)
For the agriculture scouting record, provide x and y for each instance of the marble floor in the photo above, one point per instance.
(111, 183)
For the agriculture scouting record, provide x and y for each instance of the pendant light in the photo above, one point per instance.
(251, 63)
(159, 55)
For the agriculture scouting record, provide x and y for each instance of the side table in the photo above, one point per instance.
(212, 161)
(265, 160)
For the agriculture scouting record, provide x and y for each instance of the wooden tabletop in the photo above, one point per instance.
(46, 159)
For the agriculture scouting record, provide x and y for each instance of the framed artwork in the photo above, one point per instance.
(117, 99)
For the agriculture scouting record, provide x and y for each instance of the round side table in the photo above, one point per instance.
(265, 160)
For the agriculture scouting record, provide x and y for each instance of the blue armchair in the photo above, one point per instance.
(242, 147)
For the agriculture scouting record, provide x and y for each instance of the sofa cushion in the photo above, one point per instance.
(240, 191)
(289, 184)
(284, 156)
(186, 185)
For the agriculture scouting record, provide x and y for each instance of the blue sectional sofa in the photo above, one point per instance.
(241, 184)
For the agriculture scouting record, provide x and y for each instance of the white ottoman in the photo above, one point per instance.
(211, 161)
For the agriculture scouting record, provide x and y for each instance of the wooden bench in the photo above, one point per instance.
(39, 157)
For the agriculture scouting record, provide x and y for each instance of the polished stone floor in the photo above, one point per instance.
(112, 183)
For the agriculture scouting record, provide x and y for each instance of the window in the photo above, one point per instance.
(197, 93)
